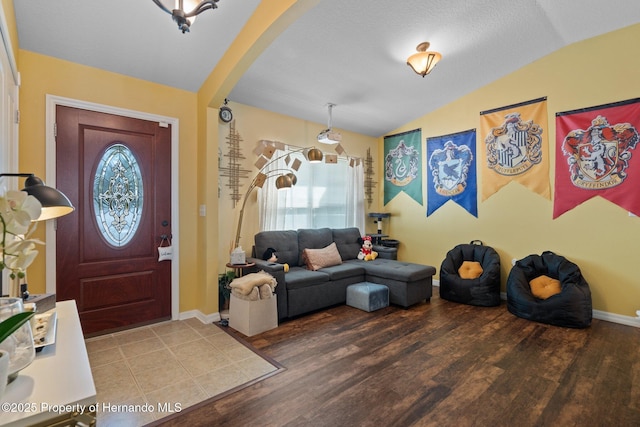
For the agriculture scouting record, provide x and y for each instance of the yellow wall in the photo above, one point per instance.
(253, 125)
(598, 236)
(198, 238)
(270, 18)
(514, 221)
(42, 75)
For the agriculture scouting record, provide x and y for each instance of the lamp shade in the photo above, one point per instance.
(314, 155)
(293, 178)
(423, 61)
(54, 203)
(283, 182)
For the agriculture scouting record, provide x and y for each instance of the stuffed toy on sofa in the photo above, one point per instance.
(366, 251)
(271, 256)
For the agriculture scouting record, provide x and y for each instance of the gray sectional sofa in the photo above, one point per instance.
(301, 290)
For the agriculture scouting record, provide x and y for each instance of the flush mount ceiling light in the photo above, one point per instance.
(423, 62)
(328, 136)
(185, 17)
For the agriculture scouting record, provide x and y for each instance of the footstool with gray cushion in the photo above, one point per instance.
(408, 283)
(368, 296)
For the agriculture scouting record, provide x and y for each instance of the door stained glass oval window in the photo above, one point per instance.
(118, 195)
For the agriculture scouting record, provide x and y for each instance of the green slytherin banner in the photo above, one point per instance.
(403, 165)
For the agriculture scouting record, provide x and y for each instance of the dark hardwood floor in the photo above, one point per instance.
(436, 364)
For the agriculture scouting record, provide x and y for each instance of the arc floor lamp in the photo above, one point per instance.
(285, 177)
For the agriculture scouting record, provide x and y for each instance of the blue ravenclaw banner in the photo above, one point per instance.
(403, 165)
(451, 171)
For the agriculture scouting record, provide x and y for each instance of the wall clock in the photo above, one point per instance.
(225, 114)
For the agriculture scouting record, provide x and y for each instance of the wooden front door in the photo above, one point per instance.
(117, 173)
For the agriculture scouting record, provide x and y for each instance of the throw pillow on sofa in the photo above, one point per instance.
(316, 259)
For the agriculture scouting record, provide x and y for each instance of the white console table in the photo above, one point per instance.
(59, 378)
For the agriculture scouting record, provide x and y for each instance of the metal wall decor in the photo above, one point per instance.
(369, 183)
(233, 171)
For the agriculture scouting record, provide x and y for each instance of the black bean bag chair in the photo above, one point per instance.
(570, 302)
(481, 291)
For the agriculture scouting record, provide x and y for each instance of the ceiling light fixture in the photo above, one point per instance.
(423, 62)
(328, 136)
(184, 18)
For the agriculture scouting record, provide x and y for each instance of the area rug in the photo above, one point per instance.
(262, 368)
(147, 375)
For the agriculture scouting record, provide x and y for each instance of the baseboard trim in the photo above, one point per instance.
(597, 314)
(204, 318)
(616, 318)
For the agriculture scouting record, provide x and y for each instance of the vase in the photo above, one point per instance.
(4, 371)
(19, 345)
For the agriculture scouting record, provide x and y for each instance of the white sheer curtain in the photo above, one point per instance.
(355, 192)
(326, 195)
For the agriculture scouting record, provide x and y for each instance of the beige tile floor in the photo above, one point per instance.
(144, 373)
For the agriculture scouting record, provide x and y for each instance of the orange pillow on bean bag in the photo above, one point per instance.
(543, 287)
(470, 270)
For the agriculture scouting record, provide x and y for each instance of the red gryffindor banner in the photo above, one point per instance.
(594, 156)
(515, 147)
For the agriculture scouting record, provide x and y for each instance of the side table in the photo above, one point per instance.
(239, 268)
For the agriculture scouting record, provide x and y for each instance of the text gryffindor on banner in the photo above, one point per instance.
(515, 147)
(594, 156)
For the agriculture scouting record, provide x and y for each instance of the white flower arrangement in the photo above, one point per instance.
(17, 211)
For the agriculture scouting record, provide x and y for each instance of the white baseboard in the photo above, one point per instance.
(616, 318)
(204, 318)
(597, 314)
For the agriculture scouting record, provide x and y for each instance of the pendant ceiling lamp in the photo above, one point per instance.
(423, 61)
(184, 12)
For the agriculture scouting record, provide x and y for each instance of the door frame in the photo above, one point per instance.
(50, 157)
(9, 109)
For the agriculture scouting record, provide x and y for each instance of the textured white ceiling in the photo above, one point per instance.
(131, 37)
(350, 53)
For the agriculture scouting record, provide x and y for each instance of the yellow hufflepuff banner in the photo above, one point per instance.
(515, 147)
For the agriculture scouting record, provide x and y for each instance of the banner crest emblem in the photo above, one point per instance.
(599, 156)
(515, 146)
(450, 168)
(402, 165)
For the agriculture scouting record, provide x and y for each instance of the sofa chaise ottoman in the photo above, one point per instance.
(302, 289)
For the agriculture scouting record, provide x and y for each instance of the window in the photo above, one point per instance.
(326, 195)
(118, 195)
